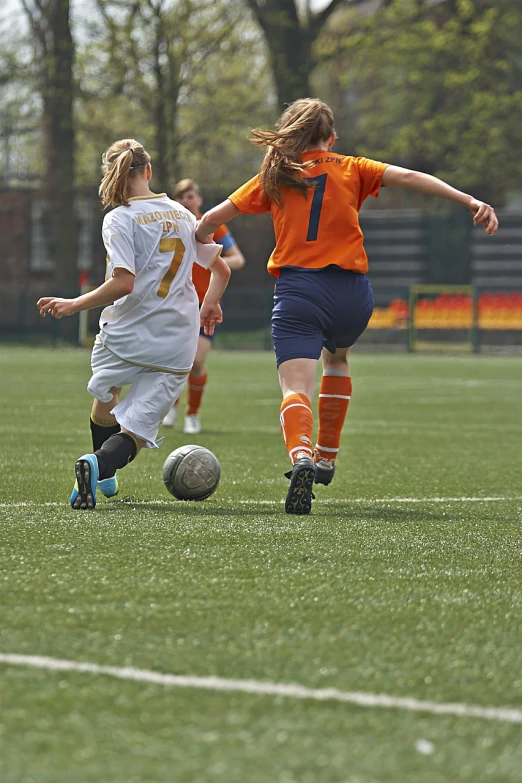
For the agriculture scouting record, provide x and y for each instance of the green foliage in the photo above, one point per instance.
(231, 95)
(188, 79)
(19, 106)
(434, 87)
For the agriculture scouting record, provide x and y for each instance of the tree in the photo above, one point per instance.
(54, 48)
(146, 49)
(438, 88)
(19, 107)
(291, 31)
(186, 77)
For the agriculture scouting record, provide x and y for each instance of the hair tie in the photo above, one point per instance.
(140, 165)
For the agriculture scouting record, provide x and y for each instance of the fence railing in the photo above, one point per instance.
(404, 249)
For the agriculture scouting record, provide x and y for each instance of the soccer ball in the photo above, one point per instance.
(191, 473)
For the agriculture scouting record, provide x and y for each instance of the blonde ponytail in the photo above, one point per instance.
(305, 122)
(123, 160)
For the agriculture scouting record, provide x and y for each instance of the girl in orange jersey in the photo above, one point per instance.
(323, 299)
(187, 192)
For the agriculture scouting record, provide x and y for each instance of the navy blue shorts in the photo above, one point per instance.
(319, 308)
(208, 336)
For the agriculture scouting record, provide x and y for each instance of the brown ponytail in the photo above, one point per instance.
(124, 159)
(305, 122)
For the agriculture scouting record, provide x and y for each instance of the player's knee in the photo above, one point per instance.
(335, 361)
(115, 391)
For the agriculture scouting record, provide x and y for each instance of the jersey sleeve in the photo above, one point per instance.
(227, 241)
(224, 237)
(370, 172)
(119, 244)
(250, 198)
(206, 254)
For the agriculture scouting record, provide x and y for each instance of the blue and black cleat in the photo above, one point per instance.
(83, 495)
(109, 486)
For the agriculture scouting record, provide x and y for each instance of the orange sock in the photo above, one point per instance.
(297, 423)
(195, 389)
(334, 397)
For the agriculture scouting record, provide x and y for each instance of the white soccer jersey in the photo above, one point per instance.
(157, 325)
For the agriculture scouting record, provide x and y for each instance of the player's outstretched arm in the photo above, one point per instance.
(215, 218)
(210, 313)
(120, 284)
(483, 214)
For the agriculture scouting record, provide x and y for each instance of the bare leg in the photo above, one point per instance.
(297, 376)
(103, 410)
(196, 384)
(199, 367)
(337, 361)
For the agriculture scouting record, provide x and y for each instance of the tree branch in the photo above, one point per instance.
(37, 25)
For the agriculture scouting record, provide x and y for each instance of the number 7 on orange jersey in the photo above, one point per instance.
(317, 204)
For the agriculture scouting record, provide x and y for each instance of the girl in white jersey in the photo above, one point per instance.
(149, 332)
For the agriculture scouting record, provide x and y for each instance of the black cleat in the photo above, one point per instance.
(299, 497)
(324, 472)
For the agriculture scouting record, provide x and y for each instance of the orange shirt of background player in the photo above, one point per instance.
(200, 276)
(323, 227)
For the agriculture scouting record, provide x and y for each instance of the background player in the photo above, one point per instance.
(148, 337)
(323, 300)
(187, 193)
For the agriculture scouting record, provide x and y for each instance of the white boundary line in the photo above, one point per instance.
(320, 501)
(380, 501)
(503, 714)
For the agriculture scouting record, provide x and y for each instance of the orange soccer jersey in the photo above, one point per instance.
(200, 276)
(323, 227)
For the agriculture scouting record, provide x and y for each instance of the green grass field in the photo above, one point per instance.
(382, 589)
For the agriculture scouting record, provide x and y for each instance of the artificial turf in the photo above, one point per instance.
(374, 591)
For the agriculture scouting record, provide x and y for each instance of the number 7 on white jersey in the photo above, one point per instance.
(177, 248)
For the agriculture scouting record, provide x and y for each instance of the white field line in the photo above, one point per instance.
(261, 688)
(246, 502)
(380, 501)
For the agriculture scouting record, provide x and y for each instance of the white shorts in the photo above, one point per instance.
(150, 397)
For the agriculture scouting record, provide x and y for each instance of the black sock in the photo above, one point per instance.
(102, 432)
(116, 452)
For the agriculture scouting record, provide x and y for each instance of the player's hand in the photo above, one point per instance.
(484, 215)
(205, 240)
(56, 306)
(209, 316)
